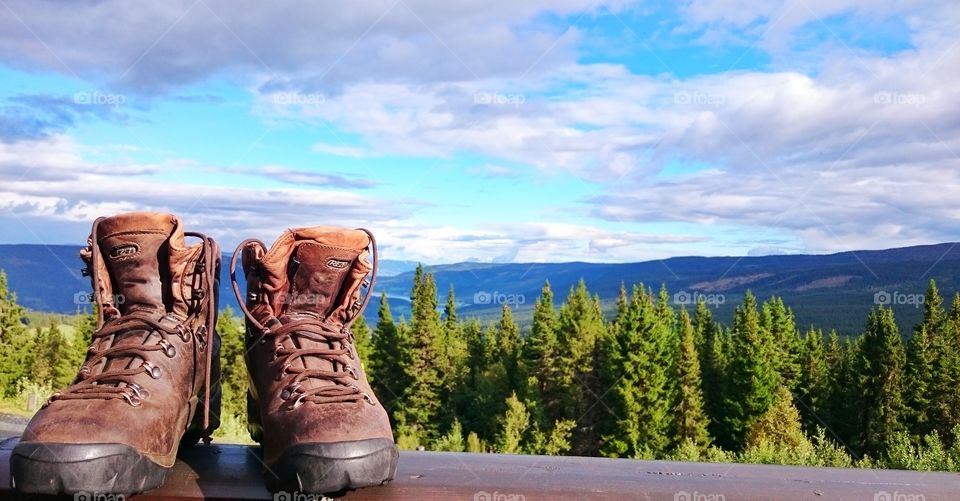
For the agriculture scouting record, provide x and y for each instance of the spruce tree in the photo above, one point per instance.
(16, 344)
(387, 375)
(452, 365)
(540, 354)
(513, 427)
(714, 381)
(813, 382)
(509, 346)
(778, 323)
(943, 383)
(779, 426)
(881, 382)
(945, 389)
(691, 418)
(579, 325)
(643, 393)
(233, 372)
(917, 383)
(752, 379)
(362, 339)
(420, 402)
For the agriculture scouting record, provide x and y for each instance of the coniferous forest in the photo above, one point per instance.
(652, 381)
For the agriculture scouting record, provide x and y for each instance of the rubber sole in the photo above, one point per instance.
(52, 468)
(323, 468)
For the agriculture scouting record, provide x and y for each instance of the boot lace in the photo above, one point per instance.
(329, 342)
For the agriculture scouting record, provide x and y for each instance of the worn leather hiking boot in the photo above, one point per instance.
(150, 382)
(321, 428)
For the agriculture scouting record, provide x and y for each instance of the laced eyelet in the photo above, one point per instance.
(168, 349)
(289, 391)
(298, 402)
(183, 333)
(132, 399)
(151, 369)
(276, 351)
(84, 371)
(353, 372)
(283, 371)
(140, 391)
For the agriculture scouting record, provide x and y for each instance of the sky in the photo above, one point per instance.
(560, 130)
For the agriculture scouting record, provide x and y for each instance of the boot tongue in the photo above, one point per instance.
(316, 276)
(135, 248)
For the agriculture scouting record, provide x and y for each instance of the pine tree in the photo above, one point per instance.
(692, 421)
(881, 377)
(752, 379)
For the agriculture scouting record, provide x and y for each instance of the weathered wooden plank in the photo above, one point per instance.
(234, 472)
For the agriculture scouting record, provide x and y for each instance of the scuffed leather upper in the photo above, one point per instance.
(144, 272)
(310, 273)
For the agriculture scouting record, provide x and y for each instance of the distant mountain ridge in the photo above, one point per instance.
(829, 291)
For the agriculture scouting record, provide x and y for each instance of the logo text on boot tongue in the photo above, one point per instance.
(337, 263)
(124, 250)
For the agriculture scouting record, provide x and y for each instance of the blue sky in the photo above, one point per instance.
(547, 131)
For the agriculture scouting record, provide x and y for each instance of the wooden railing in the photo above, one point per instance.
(234, 472)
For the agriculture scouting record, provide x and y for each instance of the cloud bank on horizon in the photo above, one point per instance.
(496, 131)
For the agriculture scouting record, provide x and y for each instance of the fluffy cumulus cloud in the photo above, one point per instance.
(316, 45)
(832, 144)
(58, 184)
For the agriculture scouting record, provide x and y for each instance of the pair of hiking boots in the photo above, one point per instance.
(151, 379)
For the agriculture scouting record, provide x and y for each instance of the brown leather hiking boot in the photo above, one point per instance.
(321, 427)
(145, 387)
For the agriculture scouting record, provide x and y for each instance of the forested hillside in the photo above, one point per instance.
(653, 381)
